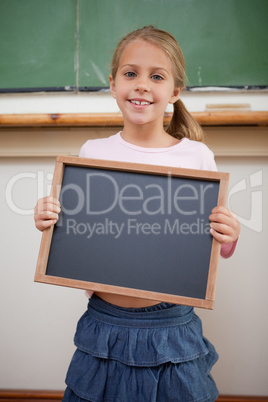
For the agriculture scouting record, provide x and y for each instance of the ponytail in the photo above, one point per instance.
(183, 124)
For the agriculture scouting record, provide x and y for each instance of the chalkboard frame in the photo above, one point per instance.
(153, 170)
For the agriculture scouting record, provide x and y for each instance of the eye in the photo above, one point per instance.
(130, 74)
(157, 77)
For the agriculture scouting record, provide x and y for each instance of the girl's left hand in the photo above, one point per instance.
(225, 226)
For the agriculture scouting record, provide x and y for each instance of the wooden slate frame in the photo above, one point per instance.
(141, 169)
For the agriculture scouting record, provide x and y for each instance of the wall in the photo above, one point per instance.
(38, 321)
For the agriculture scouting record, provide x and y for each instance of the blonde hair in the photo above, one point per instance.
(182, 123)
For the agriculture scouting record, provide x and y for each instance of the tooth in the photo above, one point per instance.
(140, 103)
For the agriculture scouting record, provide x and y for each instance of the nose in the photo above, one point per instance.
(142, 85)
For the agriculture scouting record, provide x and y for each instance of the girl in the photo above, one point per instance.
(131, 349)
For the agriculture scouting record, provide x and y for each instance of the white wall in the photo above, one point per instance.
(238, 325)
(38, 321)
(101, 102)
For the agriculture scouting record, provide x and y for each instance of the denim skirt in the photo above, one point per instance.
(151, 354)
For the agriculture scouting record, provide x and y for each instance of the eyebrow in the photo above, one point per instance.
(136, 66)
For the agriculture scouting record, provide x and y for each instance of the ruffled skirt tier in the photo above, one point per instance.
(152, 354)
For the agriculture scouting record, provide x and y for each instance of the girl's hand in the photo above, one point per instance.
(46, 212)
(225, 226)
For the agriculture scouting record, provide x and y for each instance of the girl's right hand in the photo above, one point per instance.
(46, 212)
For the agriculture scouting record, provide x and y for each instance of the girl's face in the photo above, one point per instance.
(144, 84)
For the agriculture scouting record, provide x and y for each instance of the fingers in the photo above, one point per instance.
(221, 233)
(47, 204)
(46, 212)
(224, 225)
(223, 210)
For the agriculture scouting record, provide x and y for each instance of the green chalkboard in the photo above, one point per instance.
(225, 42)
(38, 44)
(68, 44)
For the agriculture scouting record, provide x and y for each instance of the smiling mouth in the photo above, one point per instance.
(139, 103)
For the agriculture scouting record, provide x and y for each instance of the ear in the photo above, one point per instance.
(176, 95)
(112, 86)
